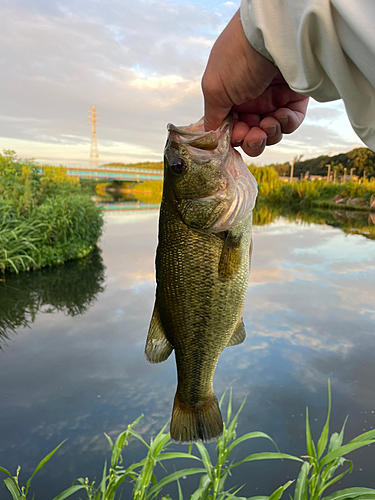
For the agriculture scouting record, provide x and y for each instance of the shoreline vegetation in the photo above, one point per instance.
(345, 181)
(323, 466)
(45, 220)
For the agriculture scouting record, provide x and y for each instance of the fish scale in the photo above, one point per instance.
(202, 276)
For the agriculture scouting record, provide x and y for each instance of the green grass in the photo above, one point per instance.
(322, 467)
(45, 219)
(305, 194)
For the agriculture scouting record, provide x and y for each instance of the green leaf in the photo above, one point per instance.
(5, 471)
(102, 485)
(251, 435)
(266, 456)
(276, 495)
(69, 491)
(9, 483)
(180, 495)
(173, 477)
(343, 450)
(364, 437)
(205, 458)
(309, 442)
(222, 398)
(42, 464)
(333, 481)
(172, 455)
(349, 493)
(109, 441)
(322, 443)
(229, 408)
(300, 490)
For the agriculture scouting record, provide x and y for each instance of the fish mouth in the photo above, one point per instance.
(195, 136)
(239, 187)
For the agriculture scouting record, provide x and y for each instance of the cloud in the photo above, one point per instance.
(139, 63)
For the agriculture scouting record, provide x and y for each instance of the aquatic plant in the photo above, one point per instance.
(319, 469)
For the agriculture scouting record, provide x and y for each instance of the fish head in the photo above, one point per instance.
(205, 177)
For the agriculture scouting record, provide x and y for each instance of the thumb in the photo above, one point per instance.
(214, 116)
(217, 103)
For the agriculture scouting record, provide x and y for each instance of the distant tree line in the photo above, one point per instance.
(359, 158)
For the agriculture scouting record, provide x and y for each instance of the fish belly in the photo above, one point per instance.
(199, 312)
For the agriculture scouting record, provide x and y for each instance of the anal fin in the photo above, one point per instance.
(238, 335)
(157, 347)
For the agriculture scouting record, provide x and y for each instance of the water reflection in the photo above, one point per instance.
(309, 315)
(349, 221)
(71, 289)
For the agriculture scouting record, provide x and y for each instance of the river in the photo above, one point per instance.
(72, 364)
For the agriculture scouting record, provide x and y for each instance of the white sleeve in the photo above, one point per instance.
(323, 48)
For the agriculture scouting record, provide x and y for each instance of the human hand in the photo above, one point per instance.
(239, 78)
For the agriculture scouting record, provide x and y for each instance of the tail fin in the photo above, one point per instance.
(199, 422)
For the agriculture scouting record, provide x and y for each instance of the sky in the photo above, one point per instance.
(139, 62)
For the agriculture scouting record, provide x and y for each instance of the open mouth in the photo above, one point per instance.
(194, 134)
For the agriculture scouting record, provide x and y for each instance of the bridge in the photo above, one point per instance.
(108, 173)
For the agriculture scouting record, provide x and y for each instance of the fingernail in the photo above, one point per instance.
(283, 120)
(270, 131)
(237, 143)
(255, 145)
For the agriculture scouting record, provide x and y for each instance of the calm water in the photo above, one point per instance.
(72, 364)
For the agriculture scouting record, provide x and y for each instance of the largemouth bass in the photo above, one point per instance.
(202, 269)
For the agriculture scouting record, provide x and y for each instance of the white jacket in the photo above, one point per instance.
(323, 48)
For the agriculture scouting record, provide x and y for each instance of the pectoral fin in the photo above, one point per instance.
(230, 259)
(239, 334)
(157, 346)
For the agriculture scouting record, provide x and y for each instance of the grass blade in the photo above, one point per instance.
(69, 491)
(349, 493)
(205, 458)
(252, 435)
(309, 442)
(364, 437)
(173, 477)
(266, 456)
(276, 495)
(301, 484)
(322, 443)
(9, 483)
(172, 455)
(343, 450)
(42, 464)
(5, 471)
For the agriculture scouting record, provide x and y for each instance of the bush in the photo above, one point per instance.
(44, 219)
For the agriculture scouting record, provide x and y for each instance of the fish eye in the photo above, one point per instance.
(179, 166)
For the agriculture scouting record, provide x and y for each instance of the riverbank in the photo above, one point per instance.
(45, 220)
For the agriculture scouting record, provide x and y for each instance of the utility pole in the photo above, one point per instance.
(334, 175)
(296, 159)
(329, 172)
(291, 170)
(344, 178)
(94, 151)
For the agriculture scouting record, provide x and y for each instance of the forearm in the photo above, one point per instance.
(324, 49)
